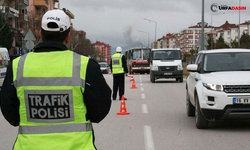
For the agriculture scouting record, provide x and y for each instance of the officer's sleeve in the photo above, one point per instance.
(8, 98)
(124, 64)
(97, 94)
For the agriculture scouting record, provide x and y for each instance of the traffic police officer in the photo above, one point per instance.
(54, 94)
(119, 68)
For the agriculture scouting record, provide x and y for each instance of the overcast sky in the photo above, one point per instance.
(117, 22)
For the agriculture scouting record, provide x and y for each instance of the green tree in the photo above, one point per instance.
(221, 43)
(193, 54)
(211, 43)
(234, 43)
(6, 35)
(245, 41)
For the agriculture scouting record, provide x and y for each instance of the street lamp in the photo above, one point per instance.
(146, 33)
(155, 27)
(212, 27)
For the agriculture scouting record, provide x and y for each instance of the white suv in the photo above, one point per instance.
(218, 86)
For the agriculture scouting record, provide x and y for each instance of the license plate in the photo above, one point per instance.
(168, 73)
(241, 100)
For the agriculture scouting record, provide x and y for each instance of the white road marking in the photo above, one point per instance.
(144, 108)
(148, 137)
(141, 84)
(143, 96)
(142, 89)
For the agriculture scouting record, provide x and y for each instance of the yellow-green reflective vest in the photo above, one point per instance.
(117, 63)
(50, 87)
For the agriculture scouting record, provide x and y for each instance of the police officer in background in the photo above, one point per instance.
(119, 69)
(54, 94)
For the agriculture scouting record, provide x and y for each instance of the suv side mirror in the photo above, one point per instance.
(192, 68)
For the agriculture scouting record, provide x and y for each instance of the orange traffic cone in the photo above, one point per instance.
(131, 79)
(133, 85)
(123, 110)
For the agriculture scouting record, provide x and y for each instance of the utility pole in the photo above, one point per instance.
(202, 27)
(239, 27)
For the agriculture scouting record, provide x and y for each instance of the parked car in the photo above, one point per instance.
(4, 61)
(218, 86)
(104, 67)
(166, 63)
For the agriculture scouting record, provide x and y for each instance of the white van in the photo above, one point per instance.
(104, 67)
(4, 61)
(166, 63)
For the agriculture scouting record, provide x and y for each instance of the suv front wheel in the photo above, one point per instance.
(200, 121)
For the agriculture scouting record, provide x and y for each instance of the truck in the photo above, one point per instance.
(166, 63)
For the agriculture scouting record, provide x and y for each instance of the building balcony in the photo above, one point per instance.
(10, 11)
(41, 3)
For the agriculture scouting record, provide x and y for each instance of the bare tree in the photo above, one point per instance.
(79, 44)
(35, 24)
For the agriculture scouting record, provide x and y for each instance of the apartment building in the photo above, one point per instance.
(186, 40)
(245, 27)
(228, 31)
(191, 36)
(16, 20)
(104, 51)
(23, 15)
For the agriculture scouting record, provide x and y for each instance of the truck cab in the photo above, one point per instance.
(166, 63)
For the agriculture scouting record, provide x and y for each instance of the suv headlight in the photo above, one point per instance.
(179, 67)
(214, 87)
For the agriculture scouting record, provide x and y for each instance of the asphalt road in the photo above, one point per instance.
(157, 121)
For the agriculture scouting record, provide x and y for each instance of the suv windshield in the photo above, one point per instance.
(227, 62)
(166, 55)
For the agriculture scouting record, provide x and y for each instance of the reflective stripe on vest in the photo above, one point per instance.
(117, 63)
(80, 127)
(53, 81)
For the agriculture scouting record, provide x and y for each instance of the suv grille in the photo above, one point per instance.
(236, 88)
(167, 68)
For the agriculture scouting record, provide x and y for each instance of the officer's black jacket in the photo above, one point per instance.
(97, 94)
